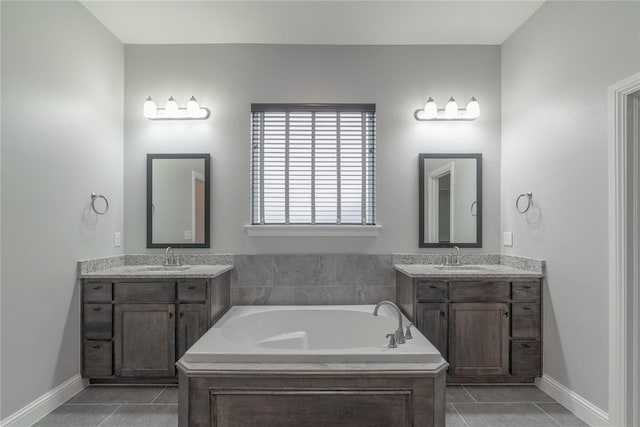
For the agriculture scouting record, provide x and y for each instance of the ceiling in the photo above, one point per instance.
(312, 22)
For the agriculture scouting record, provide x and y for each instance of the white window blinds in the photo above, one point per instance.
(313, 164)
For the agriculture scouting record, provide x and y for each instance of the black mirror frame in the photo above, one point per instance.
(421, 158)
(207, 200)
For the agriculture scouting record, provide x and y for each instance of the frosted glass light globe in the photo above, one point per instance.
(451, 110)
(171, 107)
(473, 109)
(430, 109)
(150, 108)
(193, 108)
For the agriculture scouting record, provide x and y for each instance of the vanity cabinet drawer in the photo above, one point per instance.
(144, 292)
(431, 291)
(526, 291)
(479, 291)
(98, 321)
(98, 358)
(96, 292)
(192, 291)
(525, 320)
(526, 358)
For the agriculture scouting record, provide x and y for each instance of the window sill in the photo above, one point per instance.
(313, 230)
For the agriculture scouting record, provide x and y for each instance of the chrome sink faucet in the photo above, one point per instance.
(399, 333)
(170, 258)
(455, 250)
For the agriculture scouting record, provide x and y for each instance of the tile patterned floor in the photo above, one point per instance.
(467, 406)
(123, 406)
(505, 406)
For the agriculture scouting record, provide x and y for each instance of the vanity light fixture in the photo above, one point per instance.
(451, 112)
(171, 111)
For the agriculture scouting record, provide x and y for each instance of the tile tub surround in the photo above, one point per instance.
(312, 279)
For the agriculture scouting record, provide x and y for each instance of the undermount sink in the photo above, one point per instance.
(166, 268)
(460, 267)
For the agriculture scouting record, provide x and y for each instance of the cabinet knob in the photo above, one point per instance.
(526, 308)
(527, 287)
(97, 308)
(526, 346)
(170, 315)
(95, 288)
(433, 286)
(181, 314)
(191, 287)
(443, 314)
(506, 314)
(96, 346)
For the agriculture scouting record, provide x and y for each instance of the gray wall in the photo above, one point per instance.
(62, 97)
(556, 69)
(227, 79)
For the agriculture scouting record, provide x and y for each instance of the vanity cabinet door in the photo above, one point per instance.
(431, 320)
(144, 336)
(192, 324)
(479, 339)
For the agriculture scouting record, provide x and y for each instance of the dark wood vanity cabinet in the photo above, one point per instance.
(192, 324)
(488, 330)
(479, 339)
(432, 321)
(135, 330)
(144, 340)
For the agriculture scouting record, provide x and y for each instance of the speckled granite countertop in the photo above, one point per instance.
(157, 272)
(464, 271)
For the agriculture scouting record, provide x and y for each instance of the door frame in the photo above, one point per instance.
(195, 176)
(433, 210)
(624, 273)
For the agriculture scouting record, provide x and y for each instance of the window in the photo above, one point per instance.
(313, 164)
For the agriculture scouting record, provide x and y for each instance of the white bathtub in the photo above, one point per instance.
(309, 334)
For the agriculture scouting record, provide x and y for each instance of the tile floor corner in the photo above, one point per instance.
(106, 406)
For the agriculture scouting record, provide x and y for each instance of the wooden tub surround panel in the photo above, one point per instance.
(311, 398)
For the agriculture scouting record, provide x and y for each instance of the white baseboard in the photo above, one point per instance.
(571, 400)
(46, 403)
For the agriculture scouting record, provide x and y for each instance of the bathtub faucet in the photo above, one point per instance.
(399, 334)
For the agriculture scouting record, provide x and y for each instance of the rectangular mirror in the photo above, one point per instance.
(450, 196)
(178, 200)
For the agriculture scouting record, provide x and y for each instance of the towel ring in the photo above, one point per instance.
(95, 197)
(529, 196)
(476, 212)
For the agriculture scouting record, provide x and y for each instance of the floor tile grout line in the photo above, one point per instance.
(107, 417)
(469, 393)
(154, 399)
(502, 403)
(458, 412)
(547, 414)
(119, 403)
